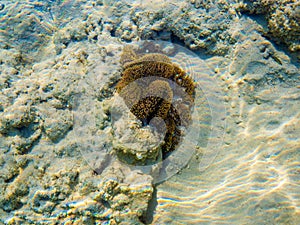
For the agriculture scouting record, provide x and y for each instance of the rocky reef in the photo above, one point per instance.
(282, 18)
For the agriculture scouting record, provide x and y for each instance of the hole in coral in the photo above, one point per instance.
(113, 32)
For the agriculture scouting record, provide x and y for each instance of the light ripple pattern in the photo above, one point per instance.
(255, 177)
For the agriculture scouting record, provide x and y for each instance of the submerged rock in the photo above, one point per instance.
(282, 17)
(127, 192)
(133, 143)
(58, 124)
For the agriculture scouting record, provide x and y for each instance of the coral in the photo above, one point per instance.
(153, 95)
(19, 122)
(127, 30)
(16, 116)
(198, 24)
(58, 186)
(156, 101)
(282, 17)
(29, 26)
(56, 127)
(127, 192)
(64, 37)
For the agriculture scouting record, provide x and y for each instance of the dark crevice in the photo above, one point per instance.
(258, 18)
(2, 6)
(26, 131)
(201, 53)
(108, 90)
(126, 41)
(105, 204)
(74, 181)
(147, 217)
(279, 45)
(95, 38)
(283, 48)
(104, 164)
(11, 179)
(29, 146)
(9, 206)
(176, 40)
(113, 32)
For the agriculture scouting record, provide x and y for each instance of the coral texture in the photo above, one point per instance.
(147, 87)
(283, 19)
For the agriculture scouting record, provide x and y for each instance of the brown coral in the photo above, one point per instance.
(152, 86)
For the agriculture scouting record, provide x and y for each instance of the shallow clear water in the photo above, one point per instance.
(59, 65)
